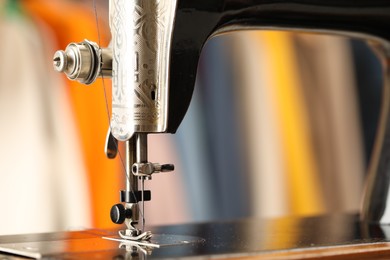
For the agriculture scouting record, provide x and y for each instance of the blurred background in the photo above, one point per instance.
(280, 124)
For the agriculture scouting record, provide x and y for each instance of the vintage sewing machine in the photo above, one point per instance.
(152, 60)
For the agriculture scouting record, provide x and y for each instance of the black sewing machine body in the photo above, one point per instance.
(197, 21)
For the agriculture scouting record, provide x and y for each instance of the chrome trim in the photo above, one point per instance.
(141, 42)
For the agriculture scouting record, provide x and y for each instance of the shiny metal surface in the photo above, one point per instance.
(84, 61)
(131, 183)
(141, 146)
(160, 240)
(376, 199)
(147, 169)
(111, 145)
(197, 21)
(221, 239)
(105, 55)
(141, 32)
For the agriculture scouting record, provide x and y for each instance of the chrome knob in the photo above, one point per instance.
(83, 61)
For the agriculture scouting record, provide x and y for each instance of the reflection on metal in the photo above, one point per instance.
(376, 199)
(49, 249)
(135, 250)
(125, 241)
(83, 61)
(141, 42)
(111, 147)
(145, 236)
(131, 189)
(253, 237)
(147, 169)
(162, 240)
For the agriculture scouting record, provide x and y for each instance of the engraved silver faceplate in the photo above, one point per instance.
(141, 36)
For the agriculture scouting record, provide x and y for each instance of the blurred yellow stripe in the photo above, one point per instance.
(302, 179)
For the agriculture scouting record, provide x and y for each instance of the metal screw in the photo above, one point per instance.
(60, 61)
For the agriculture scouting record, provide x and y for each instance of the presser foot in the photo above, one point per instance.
(141, 241)
(130, 238)
(144, 236)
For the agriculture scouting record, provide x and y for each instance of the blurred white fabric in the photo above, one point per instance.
(43, 185)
